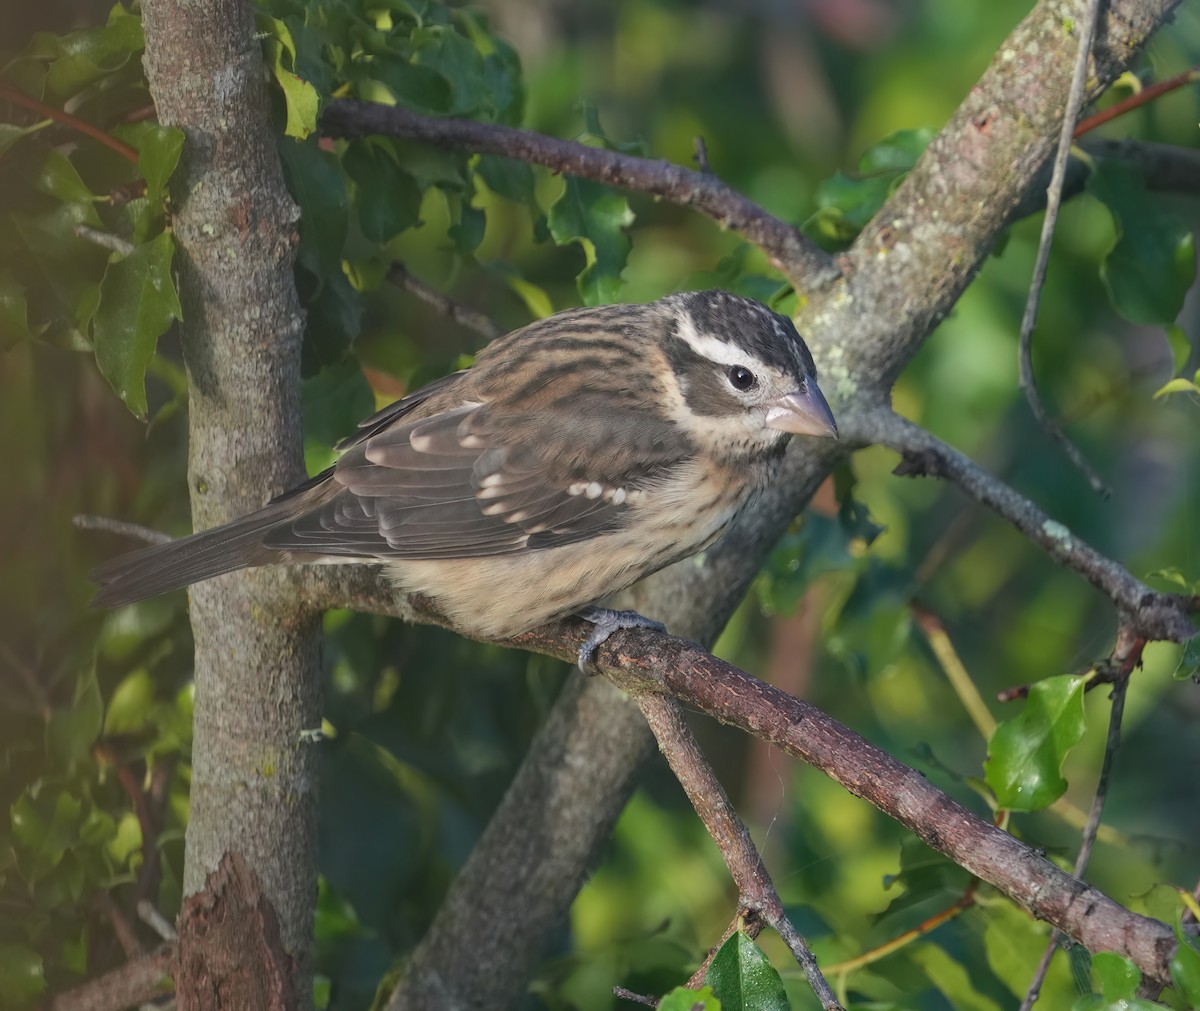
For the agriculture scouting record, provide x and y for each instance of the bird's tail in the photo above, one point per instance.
(179, 563)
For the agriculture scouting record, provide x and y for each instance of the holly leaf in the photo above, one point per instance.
(595, 217)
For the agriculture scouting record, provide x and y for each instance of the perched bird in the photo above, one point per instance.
(577, 455)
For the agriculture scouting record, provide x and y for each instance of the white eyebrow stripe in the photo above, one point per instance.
(713, 348)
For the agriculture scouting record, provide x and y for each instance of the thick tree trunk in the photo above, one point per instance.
(257, 686)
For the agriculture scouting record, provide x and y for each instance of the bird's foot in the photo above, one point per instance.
(608, 621)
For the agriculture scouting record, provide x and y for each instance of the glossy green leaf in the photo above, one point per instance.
(1118, 980)
(1189, 660)
(683, 999)
(22, 979)
(1178, 385)
(138, 303)
(743, 979)
(57, 177)
(388, 198)
(1185, 968)
(595, 217)
(159, 148)
(1152, 262)
(83, 57)
(1026, 753)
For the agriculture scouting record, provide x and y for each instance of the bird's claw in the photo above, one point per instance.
(608, 621)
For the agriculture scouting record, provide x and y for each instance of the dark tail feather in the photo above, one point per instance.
(170, 566)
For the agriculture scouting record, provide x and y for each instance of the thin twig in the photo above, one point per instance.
(464, 315)
(134, 530)
(700, 147)
(1152, 614)
(155, 920)
(74, 122)
(1146, 95)
(787, 247)
(1037, 282)
(1126, 656)
(756, 891)
(106, 240)
(638, 998)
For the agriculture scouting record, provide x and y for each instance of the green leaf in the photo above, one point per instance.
(22, 978)
(1176, 386)
(389, 200)
(334, 400)
(159, 148)
(683, 999)
(1026, 753)
(1118, 980)
(454, 57)
(1117, 977)
(57, 177)
(743, 979)
(82, 58)
(71, 732)
(508, 177)
(138, 303)
(1185, 969)
(421, 89)
(595, 217)
(897, 152)
(131, 704)
(1152, 262)
(1189, 660)
(300, 98)
(316, 181)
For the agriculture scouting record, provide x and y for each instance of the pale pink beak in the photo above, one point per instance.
(803, 412)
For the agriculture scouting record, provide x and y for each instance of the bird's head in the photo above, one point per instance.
(743, 378)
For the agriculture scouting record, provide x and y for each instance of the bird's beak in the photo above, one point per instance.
(803, 412)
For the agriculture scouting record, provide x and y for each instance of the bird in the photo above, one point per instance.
(575, 456)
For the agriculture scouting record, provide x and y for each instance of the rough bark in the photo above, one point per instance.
(256, 674)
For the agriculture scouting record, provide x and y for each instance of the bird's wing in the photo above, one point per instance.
(465, 483)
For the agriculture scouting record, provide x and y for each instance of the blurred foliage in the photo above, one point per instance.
(814, 110)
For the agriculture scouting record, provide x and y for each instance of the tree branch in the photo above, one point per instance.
(1151, 614)
(788, 248)
(756, 891)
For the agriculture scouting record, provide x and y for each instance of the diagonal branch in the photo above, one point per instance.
(1151, 614)
(756, 891)
(788, 248)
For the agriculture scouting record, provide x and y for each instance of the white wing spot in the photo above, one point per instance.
(577, 488)
(421, 443)
(594, 490)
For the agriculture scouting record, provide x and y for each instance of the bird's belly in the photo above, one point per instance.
(501, 596)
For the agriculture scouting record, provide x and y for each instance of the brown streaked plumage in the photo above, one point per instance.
(577, 455)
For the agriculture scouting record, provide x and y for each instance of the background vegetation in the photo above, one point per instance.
(426, 729)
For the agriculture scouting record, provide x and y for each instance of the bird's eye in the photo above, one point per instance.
(741, 378)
